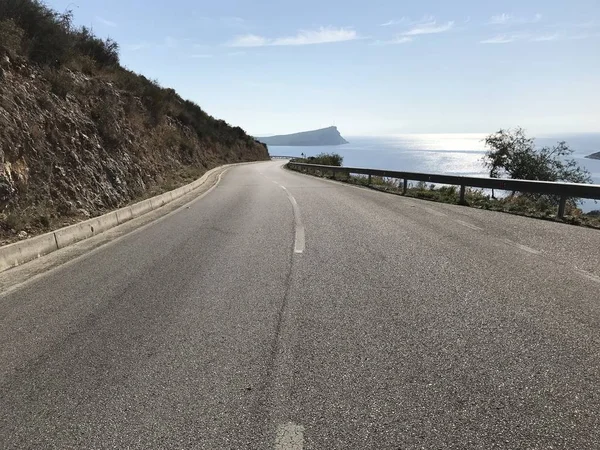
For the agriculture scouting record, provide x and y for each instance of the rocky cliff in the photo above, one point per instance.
(324, 136)
(594, 156)
(80, 139)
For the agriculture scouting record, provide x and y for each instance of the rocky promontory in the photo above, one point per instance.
(323, 136)
(594, 156)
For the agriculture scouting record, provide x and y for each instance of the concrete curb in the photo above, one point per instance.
(21, 252)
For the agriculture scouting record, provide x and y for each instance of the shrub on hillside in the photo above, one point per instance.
(48, 37)
(61, 83)
(11, 37)
(105, 52)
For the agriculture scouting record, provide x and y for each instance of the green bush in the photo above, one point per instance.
(512, 154)
(49, 38)
(324, 159)
(105, 52)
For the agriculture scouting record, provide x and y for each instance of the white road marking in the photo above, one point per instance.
(533, 251)
(586, 274)
(299, 239)
(468, 225)
(289, 437)
(434, 212)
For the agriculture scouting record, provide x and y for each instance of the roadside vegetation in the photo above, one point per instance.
(34, 32)
(81, 135)
(511, 154)
(324, 159)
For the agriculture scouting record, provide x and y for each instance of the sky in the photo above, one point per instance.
(368, 67)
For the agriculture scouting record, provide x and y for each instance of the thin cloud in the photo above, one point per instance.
(508, 19)
(500, 19)
(395, 41)
(108, 23)
(431, 27)
(546, 38)
(249, 40)
(502, 39)
(323, 35)
(527, 37)
(201, 56)
(389, 23)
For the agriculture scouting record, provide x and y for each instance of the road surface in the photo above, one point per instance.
(281, 311)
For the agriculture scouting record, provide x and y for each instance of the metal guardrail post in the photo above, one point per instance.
(562, 205)
(462, 200)
(404, 186)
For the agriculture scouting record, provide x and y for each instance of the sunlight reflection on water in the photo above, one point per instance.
(452, 154)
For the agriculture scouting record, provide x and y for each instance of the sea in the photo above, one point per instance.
(452, 154)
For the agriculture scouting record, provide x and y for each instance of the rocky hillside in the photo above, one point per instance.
(82, 136)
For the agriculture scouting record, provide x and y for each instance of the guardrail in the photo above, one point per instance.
(282, 157)
(562, 190)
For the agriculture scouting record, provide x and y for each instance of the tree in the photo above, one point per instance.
(512, 154)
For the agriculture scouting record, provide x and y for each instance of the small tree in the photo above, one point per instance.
(512, 154)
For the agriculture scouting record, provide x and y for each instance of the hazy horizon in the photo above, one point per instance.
(428, 67)
(554, 134)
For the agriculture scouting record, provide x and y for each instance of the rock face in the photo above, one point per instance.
(592, 156)
(324, 136)
(74, 145)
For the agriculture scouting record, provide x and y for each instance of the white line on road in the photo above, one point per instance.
(299, 240)
(289, 437)
(468, 225)
(589, 276)
(533, 251)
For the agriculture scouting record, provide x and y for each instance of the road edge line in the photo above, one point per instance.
(21, 252)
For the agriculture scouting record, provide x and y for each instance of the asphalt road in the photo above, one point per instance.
(319, 316)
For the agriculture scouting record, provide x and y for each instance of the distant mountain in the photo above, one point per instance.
(594, 156)
(324, 136)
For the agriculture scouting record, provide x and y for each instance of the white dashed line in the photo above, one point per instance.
(533, 251)
(469, 225)
(289, 437)
(586, 274)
